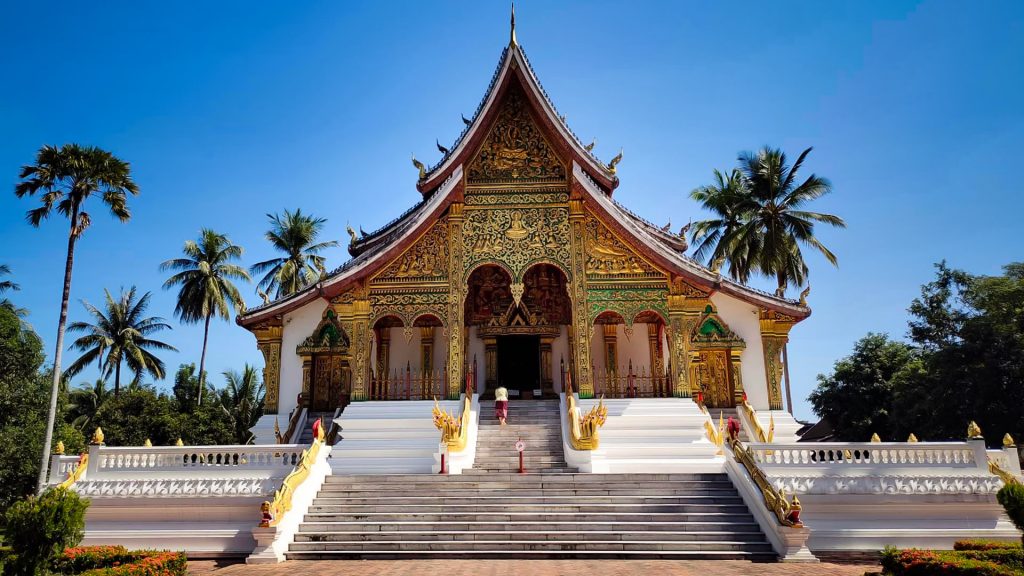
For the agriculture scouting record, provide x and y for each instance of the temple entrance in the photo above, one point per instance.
(330, 387)
(519, 365)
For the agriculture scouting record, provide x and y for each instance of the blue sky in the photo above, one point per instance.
(230, 110)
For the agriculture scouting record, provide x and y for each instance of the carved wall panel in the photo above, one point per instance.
(407, 306)
(609, 256)
(515, 197)
(427, 259)
(516, 237)
(628, 302)
(515, 148)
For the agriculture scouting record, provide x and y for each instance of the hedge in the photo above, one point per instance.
(118, 561)
(964, 562)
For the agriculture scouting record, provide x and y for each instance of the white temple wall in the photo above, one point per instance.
(742, 318)
(298, 326)
(404, 353)
(636, 348)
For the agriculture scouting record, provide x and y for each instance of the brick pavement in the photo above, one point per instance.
(527, 568)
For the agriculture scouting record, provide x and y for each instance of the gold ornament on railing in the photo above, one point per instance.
(1004, 475)
(583, 430)
(717, 437)
(179, 442)
(912, 439)
(973, 430)
(59, 449)
(1008, 441)
(759, 434)
(786, 512)
(271, 513)
(875, 438)
(97, 437)
(147, 444)
(76, 474)
(277, 431)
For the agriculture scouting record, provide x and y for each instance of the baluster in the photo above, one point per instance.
(408, 381)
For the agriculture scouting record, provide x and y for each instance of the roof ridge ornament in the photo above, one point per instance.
(512, 32)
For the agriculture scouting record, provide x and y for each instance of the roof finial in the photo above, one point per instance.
(512, 33)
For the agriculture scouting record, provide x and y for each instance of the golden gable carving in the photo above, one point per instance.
(609, 256)
(427, 258)
(515, 149)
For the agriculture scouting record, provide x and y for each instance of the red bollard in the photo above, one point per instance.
(520, 446)
(443, 470)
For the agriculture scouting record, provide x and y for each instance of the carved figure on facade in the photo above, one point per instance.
(407, 306)
(515, 148)
(516, 237)
(609, 256)
(328, 336)
(427, 258)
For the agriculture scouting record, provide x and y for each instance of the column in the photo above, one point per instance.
(685, 304)
(456, 297)
(268, 341)
(775, 328)
(360, 345)
(580, 343)
(656, 363)
(491, 362)
(426, 360)
(547, 384)
(611, 349)
(383, 361)
(736, 373)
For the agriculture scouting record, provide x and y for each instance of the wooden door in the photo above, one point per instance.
(714, 378)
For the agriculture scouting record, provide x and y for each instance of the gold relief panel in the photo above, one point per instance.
(609, 256)
(516, 198)
(427, 258)
(516, 237)
(515, 148)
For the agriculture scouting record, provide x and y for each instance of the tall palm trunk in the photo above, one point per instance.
(61, 326)
(202, 360)
(117, 378)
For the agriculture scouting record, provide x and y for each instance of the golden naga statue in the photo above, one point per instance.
(419, 166)
(615, 162)
(805, 294)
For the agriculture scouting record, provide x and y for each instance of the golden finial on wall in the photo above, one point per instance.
(59, 449)
(875, 438)
(1008, 441)
(97, 437)
(912, 439)
(512, 28)
(179, 443)
(590, 147)
(147, 444)
(973, 430)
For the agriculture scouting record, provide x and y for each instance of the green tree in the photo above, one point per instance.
(856, 398)
(295, 234)
(65, 178)
(205, 277)
(39, 529)
(242, 400)
(120, 334)
(773, 224)
(84, 402)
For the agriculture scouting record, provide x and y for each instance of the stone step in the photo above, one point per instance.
(501, 535)
(534, 545)
(531, 500)
(532, 555)
(535, 517)
(326, 527)
(581, 478)
(478, 508)
(567, 492)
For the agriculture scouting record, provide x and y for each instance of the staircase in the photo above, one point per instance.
(536, 422)
(567, 515)
(723, 415)
(306, 437)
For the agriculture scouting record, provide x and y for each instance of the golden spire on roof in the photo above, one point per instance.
(512, 32)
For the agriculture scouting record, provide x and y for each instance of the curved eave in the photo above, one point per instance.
(477, 131)
(362, 266)
(677, 262)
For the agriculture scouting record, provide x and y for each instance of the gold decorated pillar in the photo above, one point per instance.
(685, 305)
(775, 328)
(268, 341)
(491, 362)
(581, 331)
(383, 352)
(456, 296)
(360, 348)
(307, 379)
(547, 383)
(656, 361)
(611, 349)
(737, 374)
(426, 359)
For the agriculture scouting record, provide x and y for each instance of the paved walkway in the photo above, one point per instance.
(532, 567)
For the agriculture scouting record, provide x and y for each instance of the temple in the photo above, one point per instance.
(647, 393)
(519, 267)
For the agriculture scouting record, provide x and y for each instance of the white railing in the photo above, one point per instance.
(60, 466)
(114, 461)
(846, 454)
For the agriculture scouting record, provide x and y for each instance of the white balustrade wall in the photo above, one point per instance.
(203, 461)
(833, 457)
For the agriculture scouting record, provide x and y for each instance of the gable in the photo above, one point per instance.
(515, 149)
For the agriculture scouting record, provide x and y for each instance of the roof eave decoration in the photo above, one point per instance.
(514, 64)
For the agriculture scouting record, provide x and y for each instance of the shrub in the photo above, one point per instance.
(75, 560)
(117, 561)
(1011, 497)
(985, 545)
(40, 528)
(952, 563)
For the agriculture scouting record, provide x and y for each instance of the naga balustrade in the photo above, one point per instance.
(844, 454)
(786, 512)
(631, 384)
(409, 384)
(209, 459)
(748, 416)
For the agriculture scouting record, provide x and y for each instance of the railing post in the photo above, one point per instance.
(408, 381)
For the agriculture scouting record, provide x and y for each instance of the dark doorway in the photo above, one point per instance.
(519, 364)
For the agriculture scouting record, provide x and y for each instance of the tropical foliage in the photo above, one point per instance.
(40, 528)
(118, 561)
(205, 277)
(65, 178)
(242, 400)
(84, 402)
(965, 358)
(964, 560)
(760, 224)
(295, 235)
(120, 334)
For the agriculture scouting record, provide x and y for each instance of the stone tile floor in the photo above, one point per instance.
(530, 567)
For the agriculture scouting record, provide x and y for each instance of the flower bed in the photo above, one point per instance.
(119, 561)
(969, 558)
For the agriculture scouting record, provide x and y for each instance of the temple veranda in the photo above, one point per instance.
(623, 358)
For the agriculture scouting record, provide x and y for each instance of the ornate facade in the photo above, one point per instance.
(518, 268)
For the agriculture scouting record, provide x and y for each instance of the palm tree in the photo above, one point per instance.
(85, 401)
(10, 286)
(66, 177)
(242, 400)
(294, 234)
(771, 225)
(714, 239)
(6, 285)
(205, 276)
(120, 335)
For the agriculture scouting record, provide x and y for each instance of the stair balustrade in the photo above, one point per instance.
(454, 429)
(583, 428)
(409, 384)
(786, 512)
(748, 417)
(274, 511)
(631, 384)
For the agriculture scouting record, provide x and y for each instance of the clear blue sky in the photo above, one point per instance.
(230, 110)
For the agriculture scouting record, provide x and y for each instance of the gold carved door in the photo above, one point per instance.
(330, 383)
(714, 378)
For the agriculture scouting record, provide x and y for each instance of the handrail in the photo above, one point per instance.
(715, 435)
(293, 424)
(332, 434)
(583, 429)
(76, 474)
(1007, 477)
(755, 426)
(454, 430)
(273, 512)
(786, 512)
